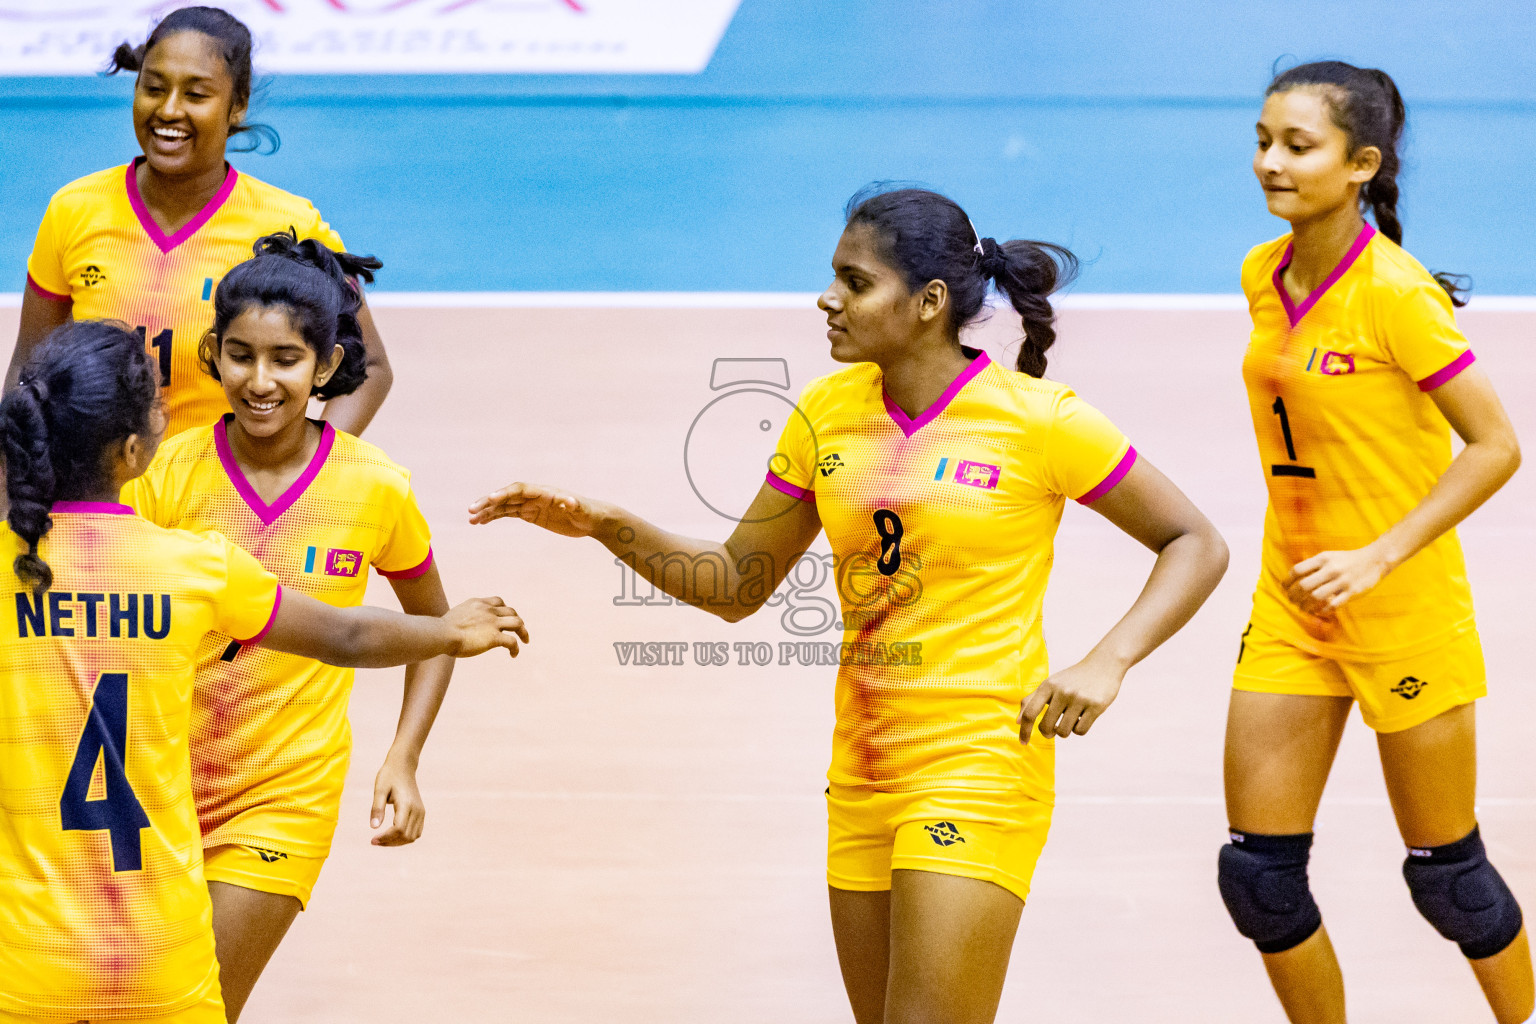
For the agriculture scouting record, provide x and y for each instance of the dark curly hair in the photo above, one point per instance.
(85, 390)
(317, 288)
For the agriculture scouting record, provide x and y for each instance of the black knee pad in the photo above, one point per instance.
(1461, 894)
(1263, 882)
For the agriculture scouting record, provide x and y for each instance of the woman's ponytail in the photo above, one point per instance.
(87, 388)
(1365, 104)
(1028, 272)
(29, 477)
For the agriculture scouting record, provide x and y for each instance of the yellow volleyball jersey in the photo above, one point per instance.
(942, 531)
(103, 909)
(270, 730)
(99, 247)
(1350, 441)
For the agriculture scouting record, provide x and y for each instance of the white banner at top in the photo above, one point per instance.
(75, 37)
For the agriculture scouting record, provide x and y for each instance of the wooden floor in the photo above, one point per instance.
(645, 844)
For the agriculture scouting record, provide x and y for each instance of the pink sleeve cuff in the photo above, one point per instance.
(277, 602)
(409, 574)
(1439, 377)
(1115, 476)
(783, 486)
(44, 292)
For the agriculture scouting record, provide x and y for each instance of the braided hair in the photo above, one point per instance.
(86, 389)
(927, 237)
(1365, 105)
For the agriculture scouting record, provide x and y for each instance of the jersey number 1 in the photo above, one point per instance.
(103, 741)
(1290, 447)
(162, 346)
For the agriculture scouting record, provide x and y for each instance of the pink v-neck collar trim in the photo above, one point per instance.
(168, 242)
(910, 426)
(268, 513)
(1294, 312)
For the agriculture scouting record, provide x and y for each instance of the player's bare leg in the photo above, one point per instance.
(1279, 750)
(247, 927)
(1431, 773)
(934, 948)
(951, 938)
(861, 927)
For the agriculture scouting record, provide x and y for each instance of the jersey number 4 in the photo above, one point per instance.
(1280, 469)
(162, 346)
(104, 741)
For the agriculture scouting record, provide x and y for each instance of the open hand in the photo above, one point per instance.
(1072, 699)
(396, 784)
(485, 622)
(1326, 581)
(556, 511)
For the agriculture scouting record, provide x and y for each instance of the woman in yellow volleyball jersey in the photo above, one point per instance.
(148, 242)
(317, 507)
(940, 478)
(103, 912)
(1356, 375)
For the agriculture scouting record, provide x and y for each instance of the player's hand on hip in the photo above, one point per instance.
(555, 510)
(1328, 580)
(396, 784)
(482, 623)
(1071, 700)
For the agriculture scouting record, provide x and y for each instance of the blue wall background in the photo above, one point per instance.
(1123, 130)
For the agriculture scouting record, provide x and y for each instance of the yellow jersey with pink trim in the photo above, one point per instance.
(271, 735)
(942, 530)
(1350, 441)
(99, 248)
(103, 908)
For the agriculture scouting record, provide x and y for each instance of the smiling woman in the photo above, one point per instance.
(316, 506)
(148, 242)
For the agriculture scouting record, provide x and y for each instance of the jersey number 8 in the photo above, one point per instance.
(103, 741)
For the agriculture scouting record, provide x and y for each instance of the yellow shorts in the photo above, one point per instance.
(1393, 695)
(210, 1010)
(996, 837)
(253, 867)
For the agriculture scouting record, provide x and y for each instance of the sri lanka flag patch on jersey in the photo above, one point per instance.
(972, 474)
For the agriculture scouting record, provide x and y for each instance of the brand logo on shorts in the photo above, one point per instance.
(1409, 688)
(944, 833)
(270, 856)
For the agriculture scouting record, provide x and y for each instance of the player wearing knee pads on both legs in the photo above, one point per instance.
(1463, 896)
(1263, 881)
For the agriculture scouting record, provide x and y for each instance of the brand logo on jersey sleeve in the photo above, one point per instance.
(92, 275)
(972, 474)
(830, 464)
(1331, 364)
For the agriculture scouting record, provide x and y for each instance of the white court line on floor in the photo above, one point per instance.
(1102, 800)
(799, 300)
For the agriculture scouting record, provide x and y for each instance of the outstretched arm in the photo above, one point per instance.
(731, 580)
(366, 637)
(426, 684)
(1191, 558)
(1327, 580)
